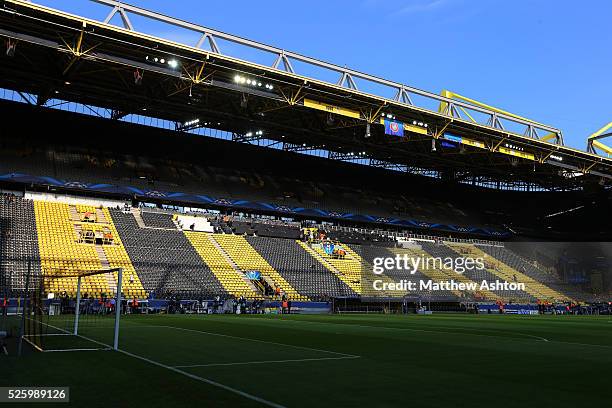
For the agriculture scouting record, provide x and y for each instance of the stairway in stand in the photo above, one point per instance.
(351, 283)
(136, 213)
(110, 277)
(232, 263)
(230, 275)
(100, 216)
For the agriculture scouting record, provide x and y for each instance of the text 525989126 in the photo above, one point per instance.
(34, 394)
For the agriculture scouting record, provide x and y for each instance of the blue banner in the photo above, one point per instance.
(453, 138)
(394, 128)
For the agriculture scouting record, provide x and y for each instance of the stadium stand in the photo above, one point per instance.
(248, 259)
(160, 167)
(165, 261)
(69, 245)
(300, 269)
(18, 242)
(348, 269)
(362, 236)
(508, 273)
(369, 252)
(157, 220)
(477, 275)
(265, 228)
(177, 165)
(225, 270)
(435, 274)
(518, 263)
(157, 257)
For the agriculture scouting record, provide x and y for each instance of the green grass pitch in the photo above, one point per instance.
(332, 360)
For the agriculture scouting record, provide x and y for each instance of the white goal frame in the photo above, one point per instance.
(118, 299)
(75, 329)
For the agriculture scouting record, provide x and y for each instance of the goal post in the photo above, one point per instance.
(69, 311)
(118, 301)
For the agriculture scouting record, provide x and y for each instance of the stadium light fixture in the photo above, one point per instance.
(514, 147)
(171, 62)
(419, 123)
(192, 122)
(239, 79)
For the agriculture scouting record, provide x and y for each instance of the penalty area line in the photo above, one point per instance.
(267, 362)
(185, 373)
(204, 380)
(247, 339)
(525, 335)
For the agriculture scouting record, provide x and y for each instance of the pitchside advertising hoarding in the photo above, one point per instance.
(518, 273)
(253, 275)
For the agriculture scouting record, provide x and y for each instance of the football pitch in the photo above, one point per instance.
(331, 360)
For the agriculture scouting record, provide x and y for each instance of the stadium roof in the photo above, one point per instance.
(53, 54)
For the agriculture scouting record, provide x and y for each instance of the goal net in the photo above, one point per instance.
(72, 311)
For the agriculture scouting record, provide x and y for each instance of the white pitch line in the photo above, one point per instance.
(458, 332)
(493, 330)
(248, 339)
(581, 344)
(419, 330)
(205, 380)
(68, 350)
(267, 362)
(186, 374)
